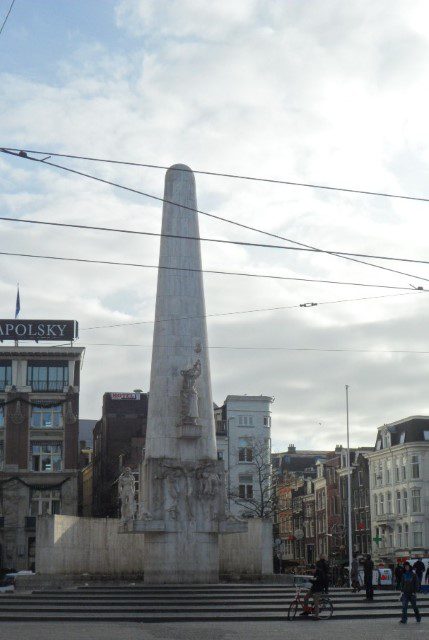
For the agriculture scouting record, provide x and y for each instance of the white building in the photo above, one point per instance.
(243, 432)
(399, 487)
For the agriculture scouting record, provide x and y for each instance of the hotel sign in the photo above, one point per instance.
(125, 396)
(38, 330)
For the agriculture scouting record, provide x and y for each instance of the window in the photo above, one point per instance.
(45, 502)
(396, 469)
(388, 471)
(1, 455)
(417, 534)
(402, 437)
(398, 502)
(389, 503)
(405, 536)
(425, 435)
(381, 504)
(391, 540)
(376, 505)
(405, 501)
(404, 468)
(415, 467)
(5, 375)
(267, 421)
(47, 418)
(220, 455)
(245, 487)
(43, 376)
(46, 457)
(245, 451)
(1, 416)
(379, 474)
(399, 536)
(416, 500)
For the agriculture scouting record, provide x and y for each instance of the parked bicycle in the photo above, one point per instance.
(326, 608)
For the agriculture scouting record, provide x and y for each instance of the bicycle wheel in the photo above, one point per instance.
(292, 611)
(326, 609)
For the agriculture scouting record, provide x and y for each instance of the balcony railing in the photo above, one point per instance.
(48, 385)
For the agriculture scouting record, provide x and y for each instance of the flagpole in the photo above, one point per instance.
(349, 491)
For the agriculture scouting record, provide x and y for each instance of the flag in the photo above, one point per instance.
(18, 303)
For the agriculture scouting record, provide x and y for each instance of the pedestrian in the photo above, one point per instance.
(323, 565)
(427, 575)
(409, 588)
(354, 574)
(419, 569)
(399, 570)
(368, 568)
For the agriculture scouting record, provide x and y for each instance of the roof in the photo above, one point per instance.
(412, 429)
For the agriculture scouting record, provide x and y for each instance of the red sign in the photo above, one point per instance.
(361, 525)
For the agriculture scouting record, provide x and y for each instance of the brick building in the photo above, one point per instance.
(119, 438)
(39, 411)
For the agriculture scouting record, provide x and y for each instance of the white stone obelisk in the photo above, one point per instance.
(183, 482)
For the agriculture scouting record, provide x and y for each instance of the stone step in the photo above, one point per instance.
(23, 616)
(61, 598)
(190, 608)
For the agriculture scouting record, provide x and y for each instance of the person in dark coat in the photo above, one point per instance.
(399, 570)
(323, 565)
(315, 592)
(419, 569)
(368, 567)
(409, 588)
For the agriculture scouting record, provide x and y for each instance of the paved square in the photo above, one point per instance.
(300, 630)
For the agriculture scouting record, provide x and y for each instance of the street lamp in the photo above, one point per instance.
(349, 490)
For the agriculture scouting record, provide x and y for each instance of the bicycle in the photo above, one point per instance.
(326, 608)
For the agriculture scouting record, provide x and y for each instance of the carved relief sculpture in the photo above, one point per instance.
(189, 394)
(127, 490)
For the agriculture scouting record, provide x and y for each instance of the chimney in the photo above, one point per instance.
(291, 448)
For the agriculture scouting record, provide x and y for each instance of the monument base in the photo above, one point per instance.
(181, 558)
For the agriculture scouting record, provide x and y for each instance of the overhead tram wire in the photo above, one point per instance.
(246, 311)
(6, 17)
(219, 174)
(86, 227)
(212, 271)
(23, 154)
(276, 348)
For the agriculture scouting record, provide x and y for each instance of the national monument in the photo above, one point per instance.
(184, 500)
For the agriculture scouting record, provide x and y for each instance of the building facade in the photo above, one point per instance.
(119, 439)
(39, 412)
(243, 431)
(399, 489)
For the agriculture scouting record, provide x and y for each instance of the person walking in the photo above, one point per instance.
(354, 574)
(368, 568)
(427, 575)
(419, 568)
(399, 571)
(409, 588)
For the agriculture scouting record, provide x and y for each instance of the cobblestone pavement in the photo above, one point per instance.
(299, 630)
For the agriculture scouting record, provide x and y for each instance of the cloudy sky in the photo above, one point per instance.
(324, 92)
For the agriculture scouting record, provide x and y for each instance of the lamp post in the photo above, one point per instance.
(349, 490)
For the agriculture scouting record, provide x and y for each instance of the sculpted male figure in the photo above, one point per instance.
(127, 491)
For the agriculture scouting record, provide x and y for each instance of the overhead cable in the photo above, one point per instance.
(292, 183)
(196, 238)
(245, 311)
(6, 17)
(212, 271)
(23, 154)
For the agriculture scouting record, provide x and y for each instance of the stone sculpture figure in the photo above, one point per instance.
(189, 393)
(127, 491)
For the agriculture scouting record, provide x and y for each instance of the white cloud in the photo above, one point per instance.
(325, 92)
